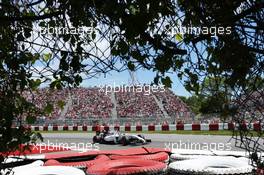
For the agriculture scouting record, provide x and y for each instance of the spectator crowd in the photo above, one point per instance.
(92, 103)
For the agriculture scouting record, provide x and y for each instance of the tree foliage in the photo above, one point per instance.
(118, 35)
(237, 58)
(123, 34)
(194, 102)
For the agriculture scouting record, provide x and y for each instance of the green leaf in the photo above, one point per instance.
(48, 109)
(35, 84)
(93, 34)
(179, 37)
(166, 81)
(66, 37)
(61, 104)
(131, 66)
(35, 58)
(47, 57)
(20, 37)
(42, 24)
(27, 32)
(31, 119)
(56, 84)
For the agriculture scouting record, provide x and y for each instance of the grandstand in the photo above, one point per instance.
(89, 105)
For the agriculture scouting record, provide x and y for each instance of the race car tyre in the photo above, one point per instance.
(124, 141)
(82, 164)
(148, 140)
(54, 170)
(128, 166)
(216, 165)
(161, 157)
(95, 140)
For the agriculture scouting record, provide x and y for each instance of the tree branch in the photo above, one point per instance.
(32, 18)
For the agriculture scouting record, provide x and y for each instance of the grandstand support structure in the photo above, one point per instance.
(114, 111)
(66, 108)
(161, 107)
(133, 78)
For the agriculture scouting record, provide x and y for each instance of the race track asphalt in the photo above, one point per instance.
(83, 141)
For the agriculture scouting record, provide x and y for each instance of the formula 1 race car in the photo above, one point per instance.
(115, 137)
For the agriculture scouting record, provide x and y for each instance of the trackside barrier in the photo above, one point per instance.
(256, 126)
(165, 127)
(127, 128)
(214, 127)
(196, 127)
(180, 126)
(117, 127)
(139, 128)
(151, 127)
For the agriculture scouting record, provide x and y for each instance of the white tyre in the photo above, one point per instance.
(48, 170)
(175, 157)
(192, 152)
(10, 160)
(24, 168)
(231, 153)
(218, 165)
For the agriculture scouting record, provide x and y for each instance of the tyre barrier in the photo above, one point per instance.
(80, 164)
(128, 166)
(135, 151)
(161, 157)
(72, 155)
(179, 157)
(185, 154)
(34, 149)
(212, 165)
(51, 170)
(192, 152)
(11, 160)
(137, 161)
(231, 153)
(22, 168)
(94, 153)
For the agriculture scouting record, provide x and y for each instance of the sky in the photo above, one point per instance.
(142, 76)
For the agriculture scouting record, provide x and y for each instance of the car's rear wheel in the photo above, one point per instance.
(124, 141)
(95, 140)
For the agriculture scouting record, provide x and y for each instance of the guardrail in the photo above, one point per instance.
(164, 127)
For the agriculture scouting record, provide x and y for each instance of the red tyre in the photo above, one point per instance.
(88, 163)
(161, 157)
(127, 166)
